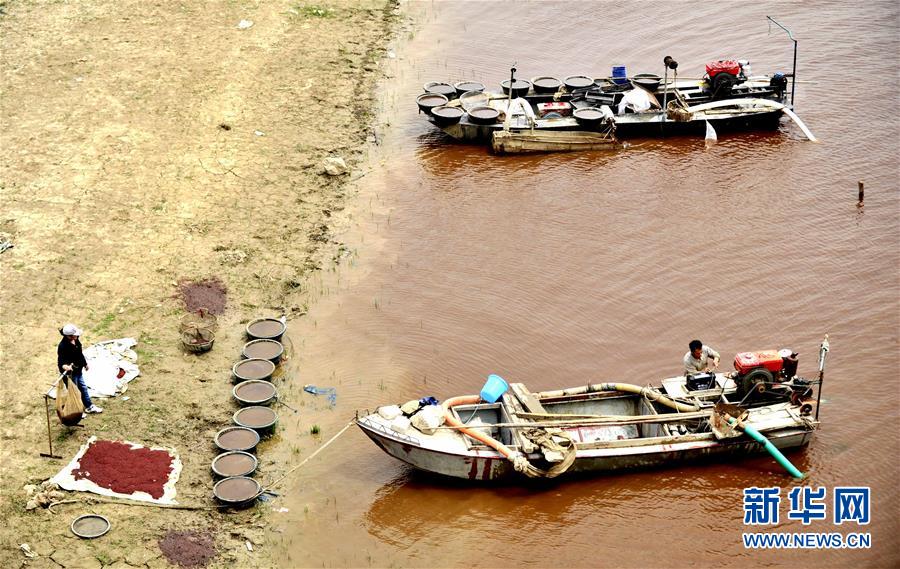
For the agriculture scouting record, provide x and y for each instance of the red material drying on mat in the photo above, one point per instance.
(123, 469)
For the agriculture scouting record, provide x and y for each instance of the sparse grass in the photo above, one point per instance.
(145, 354)
(314, 11)
(314, 430)
(103, 327)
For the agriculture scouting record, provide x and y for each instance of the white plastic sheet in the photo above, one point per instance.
(105, 359)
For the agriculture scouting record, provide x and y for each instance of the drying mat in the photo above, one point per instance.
(123, 469)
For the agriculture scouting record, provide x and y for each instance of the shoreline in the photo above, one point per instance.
(178, 147)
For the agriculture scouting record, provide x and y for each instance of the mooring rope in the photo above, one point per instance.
(307, 459)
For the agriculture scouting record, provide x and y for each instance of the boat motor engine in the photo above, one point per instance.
(721, 77)
(789, 363)
(762, 371)
(779, 83)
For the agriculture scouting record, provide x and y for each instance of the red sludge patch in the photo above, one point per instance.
(120, 468)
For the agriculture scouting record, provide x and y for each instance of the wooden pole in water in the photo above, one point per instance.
(862, 193)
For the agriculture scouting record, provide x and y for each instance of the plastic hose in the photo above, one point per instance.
(776, 454)
(520, 463)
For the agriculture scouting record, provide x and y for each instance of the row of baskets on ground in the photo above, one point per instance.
(254, 393)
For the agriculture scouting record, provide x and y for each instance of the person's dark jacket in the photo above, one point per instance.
(66, 353)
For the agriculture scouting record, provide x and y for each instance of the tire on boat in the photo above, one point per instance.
(756, 380)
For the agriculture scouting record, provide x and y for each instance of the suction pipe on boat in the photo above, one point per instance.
(520, 462)
(759, 103)
(770, 448)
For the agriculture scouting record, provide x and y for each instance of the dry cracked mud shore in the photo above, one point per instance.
(144, 145)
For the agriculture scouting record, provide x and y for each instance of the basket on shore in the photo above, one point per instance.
(200, 319)
(197, 340)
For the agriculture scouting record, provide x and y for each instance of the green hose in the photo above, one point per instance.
(758, 437)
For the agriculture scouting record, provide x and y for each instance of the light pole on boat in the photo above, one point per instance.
(794, 71)
(823, 351)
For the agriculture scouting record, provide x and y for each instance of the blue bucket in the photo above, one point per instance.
(619, 76)
(494, 388)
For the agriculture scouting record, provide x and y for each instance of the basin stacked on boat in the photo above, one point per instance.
(253, 392)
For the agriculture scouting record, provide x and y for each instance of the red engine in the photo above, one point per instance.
(729, 66)
(746, 362)
(722, 76)
(770, 375)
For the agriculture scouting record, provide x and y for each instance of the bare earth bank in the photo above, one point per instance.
(143, 144)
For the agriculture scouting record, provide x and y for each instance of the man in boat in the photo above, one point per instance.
(697, 360)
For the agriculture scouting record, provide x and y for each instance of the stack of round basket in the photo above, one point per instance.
(198, 331)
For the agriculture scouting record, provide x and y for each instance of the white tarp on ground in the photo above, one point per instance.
(105, 359)
(66, 480)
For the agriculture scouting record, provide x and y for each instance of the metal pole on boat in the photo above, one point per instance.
(823, 350)
(512, 80)
(794, 72)
(668, 63)
(665, 92)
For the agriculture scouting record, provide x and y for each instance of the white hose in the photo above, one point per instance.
(755, 103)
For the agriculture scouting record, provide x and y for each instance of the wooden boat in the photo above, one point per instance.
(607, 426)
(528, 141)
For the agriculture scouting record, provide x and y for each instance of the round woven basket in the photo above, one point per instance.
(197, 340)
(200, 319)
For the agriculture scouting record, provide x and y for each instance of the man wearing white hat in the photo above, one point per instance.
(69, 358)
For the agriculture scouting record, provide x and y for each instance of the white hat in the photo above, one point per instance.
(71, 330)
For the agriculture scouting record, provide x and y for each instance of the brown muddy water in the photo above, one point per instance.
(557, 270)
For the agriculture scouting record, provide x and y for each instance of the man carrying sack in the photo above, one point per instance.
(70, 360)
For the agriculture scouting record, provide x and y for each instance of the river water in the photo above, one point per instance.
(560, 269)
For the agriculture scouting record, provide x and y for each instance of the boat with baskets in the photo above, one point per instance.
(549, 114)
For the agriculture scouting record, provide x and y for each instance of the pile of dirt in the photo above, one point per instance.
(209, 294)
(188, 548)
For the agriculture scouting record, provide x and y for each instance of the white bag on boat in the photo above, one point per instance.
(428, 419)
(389, 412)
(637, 99)
(479, 426)
(400, 425)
